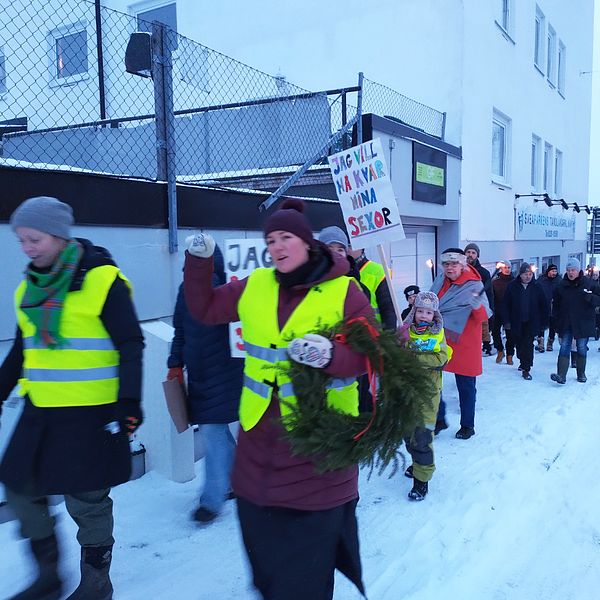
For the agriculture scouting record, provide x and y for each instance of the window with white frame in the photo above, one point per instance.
(501, 125)
(548, 168)
(536, 146)
(562, 65)
(504, 16)
(558, 172)
(538, 48)
(69, 53)
(3, 85)
(551, 55)
(161, 11)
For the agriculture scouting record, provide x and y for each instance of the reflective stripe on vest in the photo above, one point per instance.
(84, 371)
(266, 363)
(371, 276)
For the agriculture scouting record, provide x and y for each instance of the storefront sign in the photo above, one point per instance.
(540, 222)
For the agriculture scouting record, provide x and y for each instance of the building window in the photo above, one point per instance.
(547, 168)
(550, 260)
(69, 53)
(536, 144)
(147, 12)
(551, 56)
(3, 86)
(504, 18)
(558, 172)
(562, 64)
(500, 148)
(538, 49)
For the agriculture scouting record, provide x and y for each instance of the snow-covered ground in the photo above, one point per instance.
(512, 514)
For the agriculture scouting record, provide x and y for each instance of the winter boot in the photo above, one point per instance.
(549, 345)
(562, 366)
(500, 356)
(526, 375)
(440, 426)
(419, 490)
(48, 585)
(488, 349)
(409, 472)
(509, 359)
(581, 360)
(540, 344)
(573, 360)
(95, 580)
(464, 433)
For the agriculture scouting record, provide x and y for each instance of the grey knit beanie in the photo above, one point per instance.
(45, 214)
(473, 246)
(573, 263)
(333, 234)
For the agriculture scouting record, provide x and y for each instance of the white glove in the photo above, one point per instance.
(475, 301)
(313, 350)
(201, 245)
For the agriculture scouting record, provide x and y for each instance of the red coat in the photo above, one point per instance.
(467, 356)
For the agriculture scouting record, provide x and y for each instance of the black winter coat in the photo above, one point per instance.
(573, 308)
(549, 285)
(486, 279)
(70, 449)
(214, 378)
(515, 297)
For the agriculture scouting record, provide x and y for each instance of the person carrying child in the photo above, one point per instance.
(425, 328)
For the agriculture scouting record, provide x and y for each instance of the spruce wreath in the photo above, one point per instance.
(335, 440)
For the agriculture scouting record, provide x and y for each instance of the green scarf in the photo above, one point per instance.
(45, 294)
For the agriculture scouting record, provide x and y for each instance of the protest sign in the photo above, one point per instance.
(366, 195)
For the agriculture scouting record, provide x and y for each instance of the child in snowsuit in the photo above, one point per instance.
(427, 340)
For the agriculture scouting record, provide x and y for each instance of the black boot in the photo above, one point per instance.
(573, 360)
(562, 366)
(48, 585)
(95, 581)
(419, 490)
(581, 360)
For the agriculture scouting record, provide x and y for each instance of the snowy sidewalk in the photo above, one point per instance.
(512, 514)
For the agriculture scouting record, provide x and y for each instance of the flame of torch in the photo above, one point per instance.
(429, 263)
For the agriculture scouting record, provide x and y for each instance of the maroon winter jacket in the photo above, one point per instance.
(265, 472)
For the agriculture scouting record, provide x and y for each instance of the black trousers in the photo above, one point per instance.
(294, 553)
(497, 335)
(524, 343)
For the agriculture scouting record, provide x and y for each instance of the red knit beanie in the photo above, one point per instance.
(290, 217)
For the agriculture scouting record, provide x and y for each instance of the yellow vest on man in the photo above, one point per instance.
(84, 371)
(265, 367)
(371, 276)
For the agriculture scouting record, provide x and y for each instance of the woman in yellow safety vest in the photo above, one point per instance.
(298, 526)
(77, 357)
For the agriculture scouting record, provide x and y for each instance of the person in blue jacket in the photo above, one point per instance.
(214, 387)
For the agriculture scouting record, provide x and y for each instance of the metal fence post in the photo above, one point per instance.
(359, 136)
(162, 75)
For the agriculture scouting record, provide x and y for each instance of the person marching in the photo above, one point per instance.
(214, 385)
(78, 357)
(464, 306)
(548, 282)
(297, 525)
(428, 342)
(525, 314)
(372, 275)
(499, 285)
(573, 306)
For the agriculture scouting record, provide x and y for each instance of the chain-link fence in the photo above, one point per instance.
(67, 101)
(382, 100)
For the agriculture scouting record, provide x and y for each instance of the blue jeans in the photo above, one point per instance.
(565, 344)
(467, 393)
(219, 449)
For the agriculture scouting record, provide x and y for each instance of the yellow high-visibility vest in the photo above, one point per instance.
(266, 345)
(371, 276)
(84, 371)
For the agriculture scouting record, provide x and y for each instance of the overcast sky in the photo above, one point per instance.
(594, 194)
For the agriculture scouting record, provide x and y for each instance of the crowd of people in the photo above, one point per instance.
(77, 356)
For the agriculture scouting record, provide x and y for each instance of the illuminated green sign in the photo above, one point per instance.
(429, 174)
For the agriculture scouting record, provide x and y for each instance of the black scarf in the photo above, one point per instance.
(318, 264)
